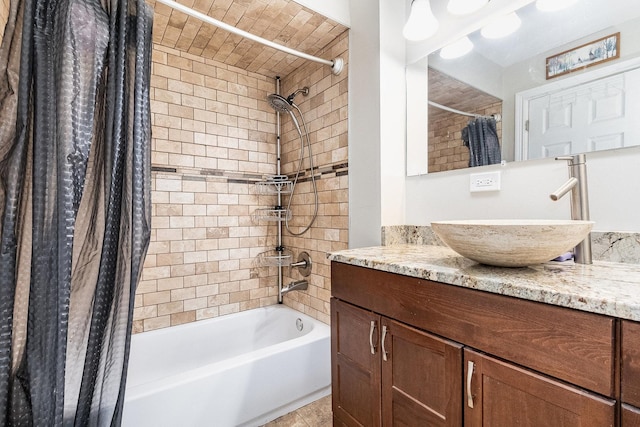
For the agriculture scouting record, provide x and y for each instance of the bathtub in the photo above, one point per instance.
(243, 369)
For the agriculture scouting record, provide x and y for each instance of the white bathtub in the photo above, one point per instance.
(243, 369)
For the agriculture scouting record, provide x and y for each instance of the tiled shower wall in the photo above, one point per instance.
(213, 138)
(325, 112)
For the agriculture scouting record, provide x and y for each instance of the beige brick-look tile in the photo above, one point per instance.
(209, 115)
(145, 312)
(157, 323)
(183, 317)
(170, 308)
(171, 283)
(207, 313)
(156, 298)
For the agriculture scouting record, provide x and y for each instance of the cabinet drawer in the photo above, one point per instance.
(631, 363)
(573, 346)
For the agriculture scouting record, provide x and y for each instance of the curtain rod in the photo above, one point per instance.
(336, 64)
(497, 117)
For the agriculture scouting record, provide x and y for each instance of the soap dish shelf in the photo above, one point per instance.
(273, 258)
(274, 215)
(275, 184)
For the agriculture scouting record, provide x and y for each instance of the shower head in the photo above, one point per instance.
(279, 103)
(304, 91)
(284, 105)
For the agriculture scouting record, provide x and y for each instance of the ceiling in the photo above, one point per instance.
(453, 93)
(544, 31)
(282, 21)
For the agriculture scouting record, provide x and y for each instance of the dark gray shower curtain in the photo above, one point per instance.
(74, 205)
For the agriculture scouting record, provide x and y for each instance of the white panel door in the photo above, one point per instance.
(593, 116)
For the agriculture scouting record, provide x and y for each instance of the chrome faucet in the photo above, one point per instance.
(299, 285)
(577, 183)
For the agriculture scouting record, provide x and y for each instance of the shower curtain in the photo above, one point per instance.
(481, 137)
(74, 205)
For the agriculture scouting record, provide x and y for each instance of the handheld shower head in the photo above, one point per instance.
(283, 105)
(279, 103)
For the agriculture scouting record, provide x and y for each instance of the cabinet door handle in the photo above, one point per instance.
(470, 368)
(372, 329)
(384, 335)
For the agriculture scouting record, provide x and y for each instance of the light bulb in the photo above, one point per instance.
(501, 26)
(456, 49)
(554, 5)
(421, 23)
(464, 7)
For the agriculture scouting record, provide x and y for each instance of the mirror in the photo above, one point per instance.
(498, 69)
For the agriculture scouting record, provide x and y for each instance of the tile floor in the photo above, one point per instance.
(315, 414)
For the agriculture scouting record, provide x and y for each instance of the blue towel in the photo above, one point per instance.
(481, 137)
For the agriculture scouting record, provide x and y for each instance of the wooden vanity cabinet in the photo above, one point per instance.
(387, 373)
(532, 364)
(630, 382)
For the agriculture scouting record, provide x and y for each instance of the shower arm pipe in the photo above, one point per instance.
(498, 117)
(336, 64)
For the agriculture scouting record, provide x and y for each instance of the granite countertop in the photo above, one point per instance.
(606, 288)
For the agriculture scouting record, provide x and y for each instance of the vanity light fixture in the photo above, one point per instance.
(456, 49)
(465, 7)
(421, 24)
(553, 5)
(501, 26)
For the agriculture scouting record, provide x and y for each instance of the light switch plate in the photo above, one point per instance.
(488, 181)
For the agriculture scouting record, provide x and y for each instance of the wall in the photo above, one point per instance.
(393, 112)
(338, 10)
(377, 119)
(213, 137)
(365, 206)
(325, 111)
(614, 192)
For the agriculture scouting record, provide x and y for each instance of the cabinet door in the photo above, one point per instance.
(630, 416)
(421, 378)
(501, 394)
(355, 365)
(631, 363)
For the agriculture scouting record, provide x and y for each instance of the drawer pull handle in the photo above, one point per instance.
(384, 335)
(470, 368)
(371, 331)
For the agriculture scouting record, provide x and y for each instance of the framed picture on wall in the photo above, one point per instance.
(592, 53)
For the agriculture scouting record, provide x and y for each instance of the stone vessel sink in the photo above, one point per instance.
(512, 243)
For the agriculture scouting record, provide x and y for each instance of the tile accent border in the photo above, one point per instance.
(231, 177)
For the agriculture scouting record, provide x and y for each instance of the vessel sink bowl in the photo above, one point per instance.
(512, 243)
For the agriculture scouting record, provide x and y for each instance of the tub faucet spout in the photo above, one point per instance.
(299, 285)
(577, 184)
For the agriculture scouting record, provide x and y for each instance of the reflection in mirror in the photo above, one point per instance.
(502, 68)
(453, 106)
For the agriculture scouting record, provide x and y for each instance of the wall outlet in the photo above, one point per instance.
(488, 181)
